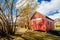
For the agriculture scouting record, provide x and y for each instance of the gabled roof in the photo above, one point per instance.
(32, 14)
(49, 18)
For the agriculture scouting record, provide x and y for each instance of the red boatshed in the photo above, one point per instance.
(41, 22)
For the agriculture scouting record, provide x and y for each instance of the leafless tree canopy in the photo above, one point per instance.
(7, 13)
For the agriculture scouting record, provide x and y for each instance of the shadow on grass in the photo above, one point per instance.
(4, 35)
(54, 32)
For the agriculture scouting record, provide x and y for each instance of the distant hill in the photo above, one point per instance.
(57, 24)
(57, 21)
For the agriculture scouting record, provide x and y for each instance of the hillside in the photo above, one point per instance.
(57, 24)
(33, 35)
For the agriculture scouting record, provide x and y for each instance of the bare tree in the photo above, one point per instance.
(7, 8)
(26, 7)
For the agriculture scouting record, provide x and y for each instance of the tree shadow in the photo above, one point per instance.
(54, 32)
(5, 35)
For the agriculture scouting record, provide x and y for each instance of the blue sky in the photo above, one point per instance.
(43, 0)
(50, 8)
(15, 1)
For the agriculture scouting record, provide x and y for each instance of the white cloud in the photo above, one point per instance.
(14, 18)
(55, 16)
(20, 3)
(46, 7)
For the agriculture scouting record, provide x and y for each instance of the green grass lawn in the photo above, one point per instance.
(57, 28)
(33, 35)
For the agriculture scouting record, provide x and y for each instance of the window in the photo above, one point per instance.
(48, 22)
(38, 18)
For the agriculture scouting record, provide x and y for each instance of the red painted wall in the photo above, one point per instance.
(39, 22)
(49, 24)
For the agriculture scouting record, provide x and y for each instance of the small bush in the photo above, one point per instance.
(57, 25)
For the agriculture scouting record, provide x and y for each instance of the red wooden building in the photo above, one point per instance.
(41, 22)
